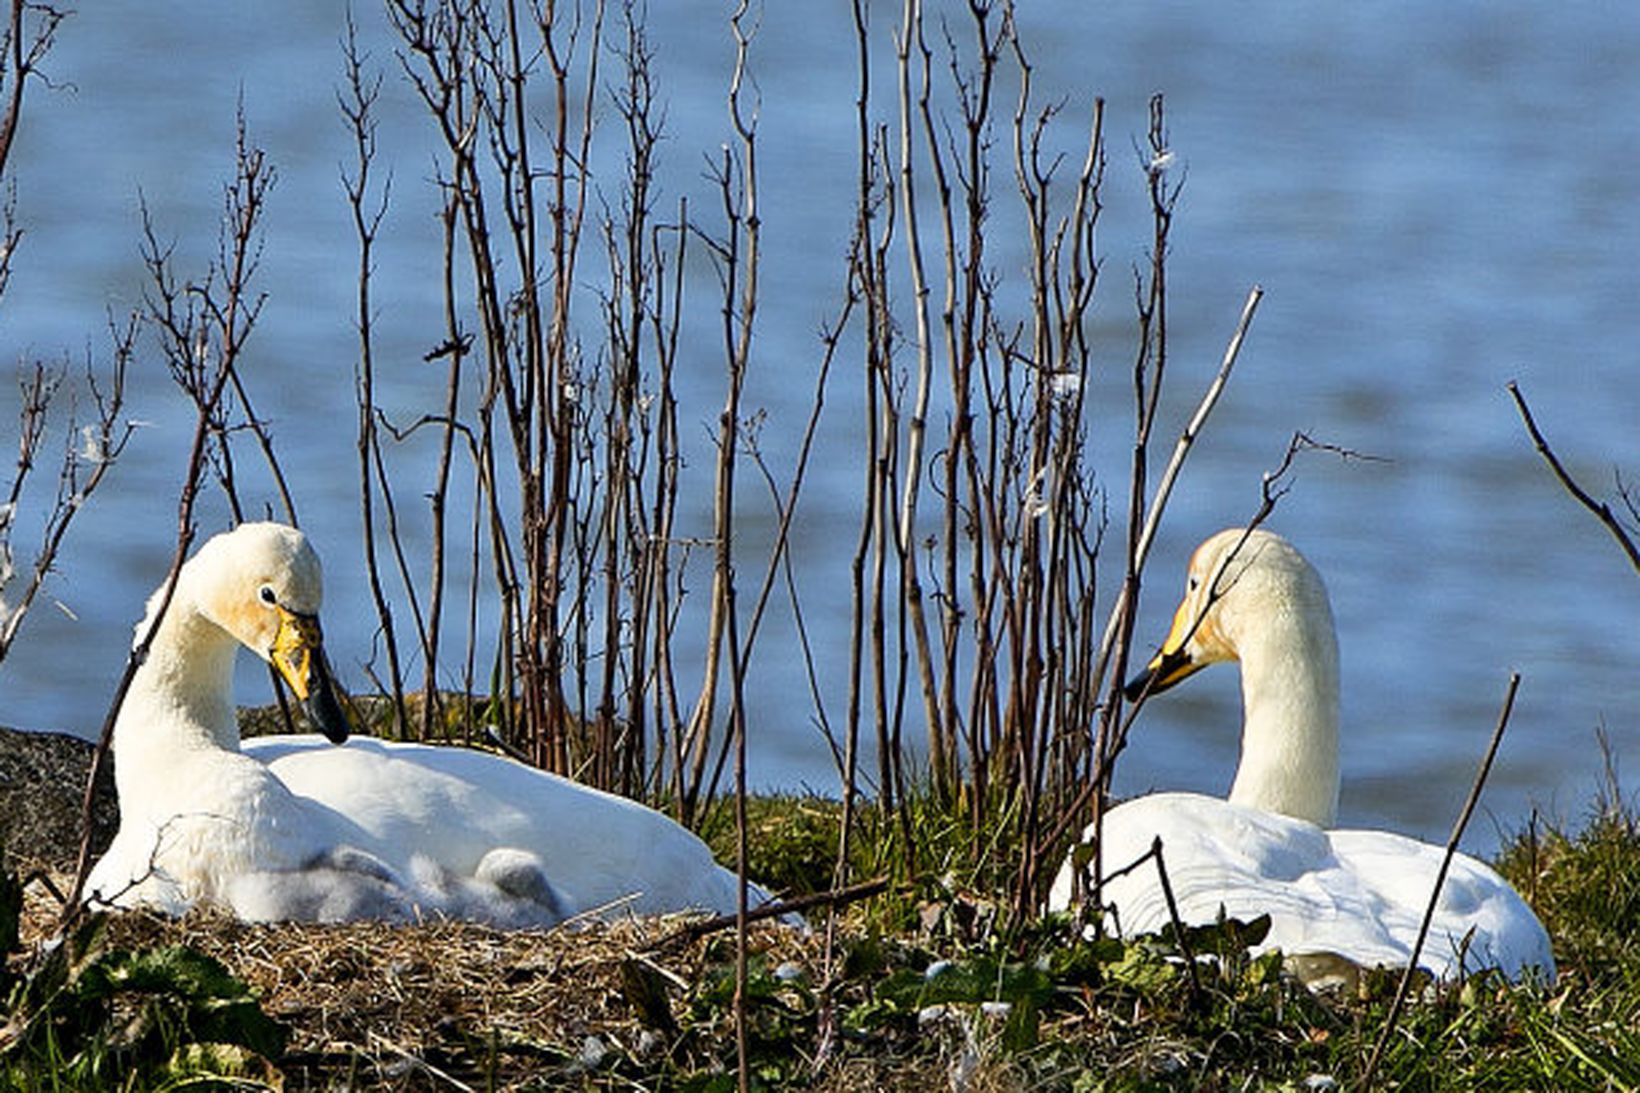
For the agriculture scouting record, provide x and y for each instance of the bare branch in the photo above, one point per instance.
(1602, 511)
(24, 51)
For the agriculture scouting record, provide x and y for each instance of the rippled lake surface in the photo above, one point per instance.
(1436, 199)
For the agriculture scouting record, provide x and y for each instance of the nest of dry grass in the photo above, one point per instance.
(452, 1005)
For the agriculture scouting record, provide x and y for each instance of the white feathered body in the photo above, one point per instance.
(1358, 894)
(217, 817)
(455, 805)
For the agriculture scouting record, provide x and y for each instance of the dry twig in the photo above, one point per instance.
(1440, 879)
(1602, 511)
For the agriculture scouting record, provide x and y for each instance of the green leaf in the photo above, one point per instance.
(1226, 937)
(188, 988)
(202, 1065)
(1143, 969)
(174, 969)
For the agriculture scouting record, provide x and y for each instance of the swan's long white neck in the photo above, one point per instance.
(179, 706)
(1289, 739)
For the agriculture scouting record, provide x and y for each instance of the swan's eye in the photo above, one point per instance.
(1194, 583)
(268, 595)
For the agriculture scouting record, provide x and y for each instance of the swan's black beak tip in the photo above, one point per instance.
(323, 708)
(1139, 686)
(1160, 674)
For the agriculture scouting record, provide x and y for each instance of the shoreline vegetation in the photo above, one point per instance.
(608, 616)
(926, 985)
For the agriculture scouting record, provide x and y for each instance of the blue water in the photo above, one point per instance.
(1436, 200)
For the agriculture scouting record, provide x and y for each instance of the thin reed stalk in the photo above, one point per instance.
(1458, 827)
(976, 656)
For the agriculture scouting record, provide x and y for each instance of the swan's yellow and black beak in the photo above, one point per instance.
(1164, 670)
(1175, 662)
(299, 655)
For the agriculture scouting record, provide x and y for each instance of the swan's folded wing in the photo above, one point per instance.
(1247, 863)
(455, 806)
(1478, 916)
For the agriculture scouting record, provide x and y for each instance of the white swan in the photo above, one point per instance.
(309, 828)
(1251, 597)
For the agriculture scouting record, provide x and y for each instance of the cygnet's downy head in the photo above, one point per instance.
(1242, 584)
(262, 583)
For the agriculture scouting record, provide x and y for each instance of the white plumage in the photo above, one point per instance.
(304, 828)
(1251, 597)
(455, 806)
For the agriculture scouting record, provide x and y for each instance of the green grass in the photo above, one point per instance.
(1115, 1016)
(87, 1014)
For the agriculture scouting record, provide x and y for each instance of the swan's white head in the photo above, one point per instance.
(1252, 597)
(261, 582)
(1241, 582)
